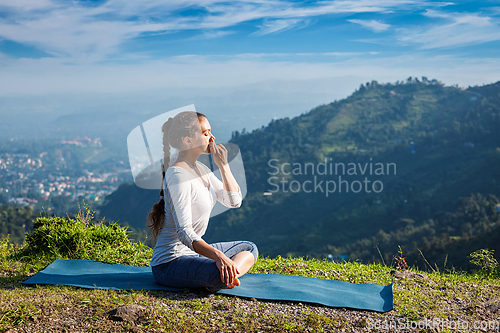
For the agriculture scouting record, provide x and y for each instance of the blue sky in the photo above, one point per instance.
(317, 51)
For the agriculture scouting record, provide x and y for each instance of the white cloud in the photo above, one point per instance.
(81, 37)
(458, 30)
(89, 33)
(435, 13)
(334, 54)
(27, 4)
(372, 25)
(288, 56)
(213, 34)
(495, 10)
(274, 26)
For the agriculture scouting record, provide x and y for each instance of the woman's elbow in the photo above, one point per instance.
(237, 201)
(231, 202)
(185, 239)
(236, 204)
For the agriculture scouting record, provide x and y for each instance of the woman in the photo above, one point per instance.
(181, 258)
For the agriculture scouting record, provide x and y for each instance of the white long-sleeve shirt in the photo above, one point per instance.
(188, 204)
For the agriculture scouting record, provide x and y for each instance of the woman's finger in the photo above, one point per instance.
(223, 274)
(222, 152)
(230, 275)
(234, 274)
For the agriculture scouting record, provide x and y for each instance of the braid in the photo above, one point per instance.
(166, 144)
(157, 215)
(166, 150)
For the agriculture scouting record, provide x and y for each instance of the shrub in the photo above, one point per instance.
(78, 238)
(484, 259)
(5, 248)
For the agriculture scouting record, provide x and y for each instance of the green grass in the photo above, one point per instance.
(184, 312)
(447, 294)
(78, 238)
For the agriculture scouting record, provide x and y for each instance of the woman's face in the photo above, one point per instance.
(204, 137)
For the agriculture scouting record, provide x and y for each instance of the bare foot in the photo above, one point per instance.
(236, 283)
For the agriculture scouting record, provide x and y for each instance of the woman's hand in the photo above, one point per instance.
(228, 271)
(227, 267)
(219, 154)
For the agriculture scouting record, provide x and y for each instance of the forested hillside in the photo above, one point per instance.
(398, 159)
(15, 221)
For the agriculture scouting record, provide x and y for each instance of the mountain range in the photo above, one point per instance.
(412, 166)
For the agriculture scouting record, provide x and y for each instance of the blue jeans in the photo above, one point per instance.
(197, 271)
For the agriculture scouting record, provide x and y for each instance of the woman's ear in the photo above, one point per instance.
(188, 142)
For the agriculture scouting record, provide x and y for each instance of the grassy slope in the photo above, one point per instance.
(447, 295)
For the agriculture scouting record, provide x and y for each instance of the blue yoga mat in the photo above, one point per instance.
(333, 293)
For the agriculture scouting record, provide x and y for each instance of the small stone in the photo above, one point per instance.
(408, 274)
(493, 307)
(126, 312)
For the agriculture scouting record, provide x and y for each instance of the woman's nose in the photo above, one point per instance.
(212, 138)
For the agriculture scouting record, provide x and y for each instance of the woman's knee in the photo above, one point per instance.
(253, 250)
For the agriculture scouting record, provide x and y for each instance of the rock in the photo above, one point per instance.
(409, 274)
(493, 307)
(126, 312)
